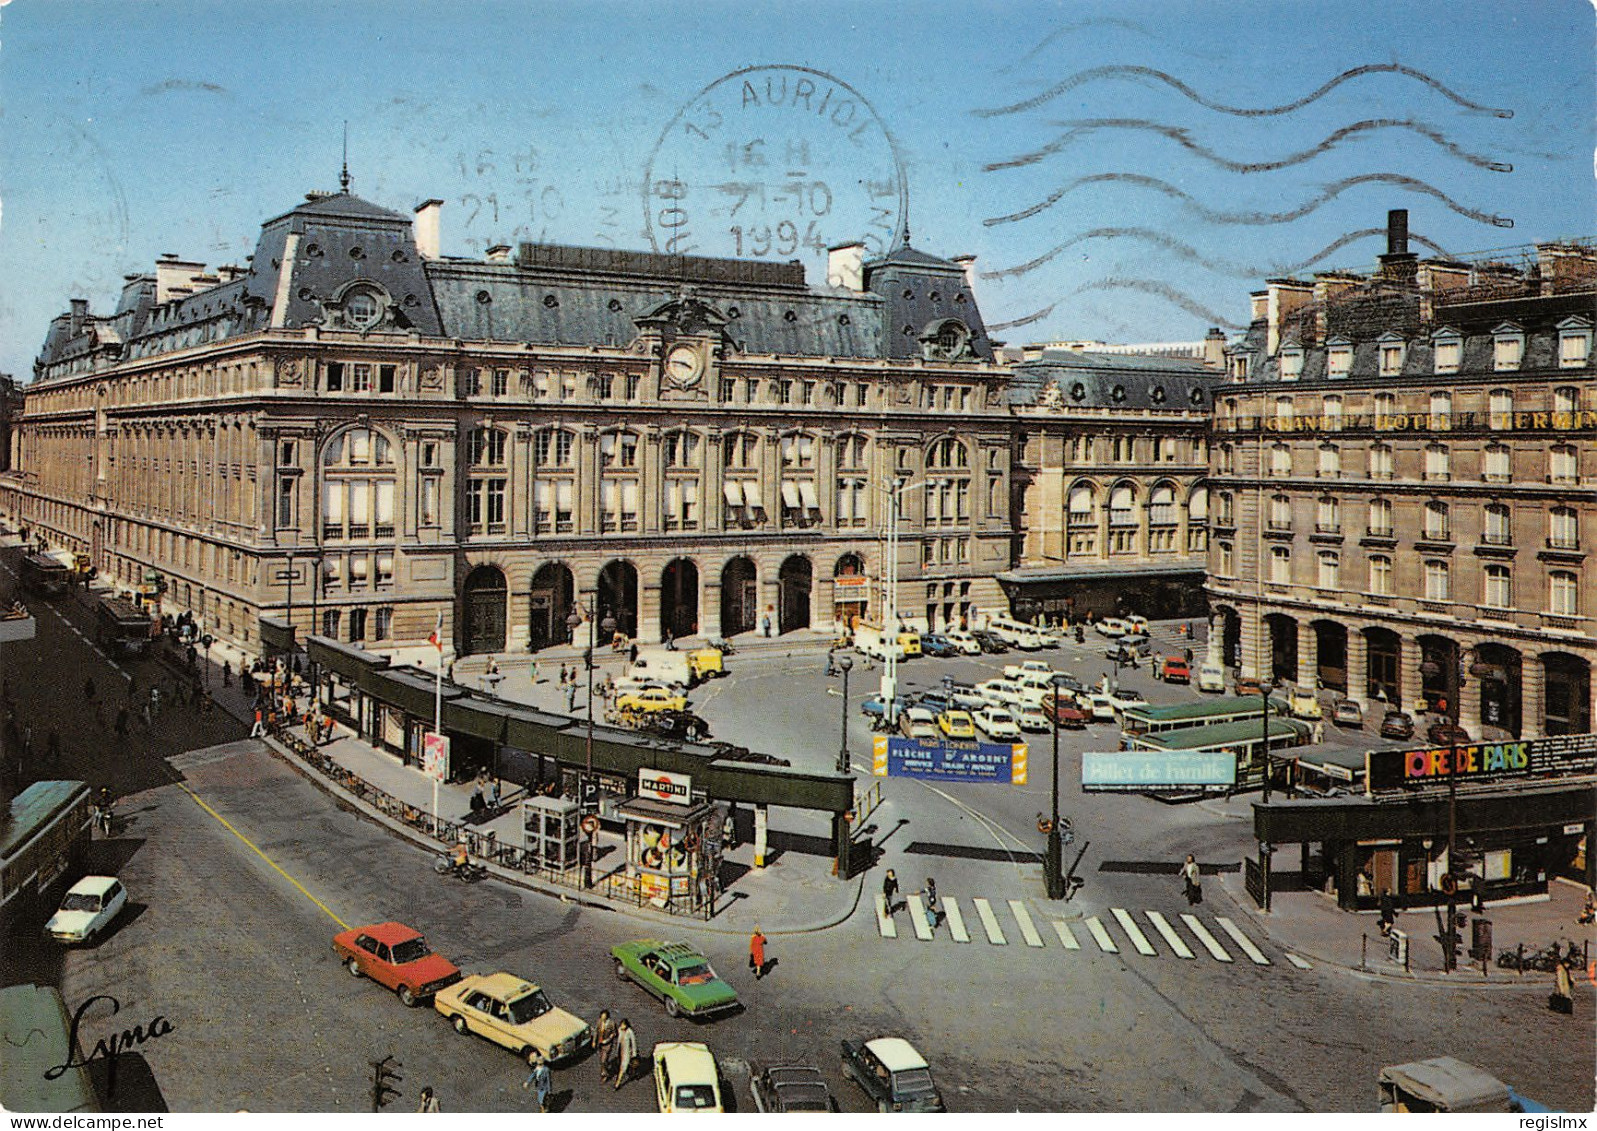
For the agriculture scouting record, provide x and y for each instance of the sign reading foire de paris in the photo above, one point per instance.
(662, 786)
(946, 759)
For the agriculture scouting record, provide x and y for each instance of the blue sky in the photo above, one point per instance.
(133, 128)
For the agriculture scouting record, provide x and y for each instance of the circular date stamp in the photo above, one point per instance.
(775, 162)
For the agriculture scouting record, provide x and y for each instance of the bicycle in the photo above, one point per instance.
(466, 872)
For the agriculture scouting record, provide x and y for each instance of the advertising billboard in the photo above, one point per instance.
(949, 759)
(1135, 770)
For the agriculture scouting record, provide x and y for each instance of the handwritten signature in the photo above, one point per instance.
(107, 1048)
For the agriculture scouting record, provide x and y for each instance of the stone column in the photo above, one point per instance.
(1469, 692)
(1358, 672)
(1255, 655)
(1409, 679)
(1308, 655)
(1533, 702)
(651, 482)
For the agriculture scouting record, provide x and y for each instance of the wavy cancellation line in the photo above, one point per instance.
(1118, 70)
(1115, 283)
(1081, 25)
(1193, 255)
(1082, 127)
(1216, 217)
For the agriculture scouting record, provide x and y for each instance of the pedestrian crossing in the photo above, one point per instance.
(1120, 930)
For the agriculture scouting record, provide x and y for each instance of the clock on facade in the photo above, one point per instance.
(684, 365)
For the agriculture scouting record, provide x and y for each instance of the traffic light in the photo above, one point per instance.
(385, 1073)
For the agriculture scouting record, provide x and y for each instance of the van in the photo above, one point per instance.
(1015, 634)
(870, 641)
(910, 643)
(706, 663)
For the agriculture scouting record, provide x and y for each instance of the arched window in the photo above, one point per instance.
(554, 447)
(1280, 565)
(1162, 506)
(1498, 531)
(1563, 531)
(681, 449)
(798, 450)
(1437, 461)
(947, 453)
(1495, 465)
(1120, 512)
(851, 451)
(1500, 408)
(1330, 575)
(1198, 505)
(1380, 575)
(1330, 461)
(1082, 506)
(618, 449)
(1381, 461)
(1563, 465)
(1438, 580)
(358, 486)
(1280, 459)
(1280, 512)
(741, 450)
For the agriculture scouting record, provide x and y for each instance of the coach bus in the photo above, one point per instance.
(44, 575)
(45, 845)
(122, 627)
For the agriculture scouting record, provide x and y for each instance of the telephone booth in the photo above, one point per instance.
(550, 828)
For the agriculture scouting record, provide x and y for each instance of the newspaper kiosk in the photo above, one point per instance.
(666, 839)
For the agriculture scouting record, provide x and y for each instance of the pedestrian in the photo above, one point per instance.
(670, 645)
(765, 625)
(632, 654)
(327, 728)
(571, 699)
(626, 1051)
(256, 731)
(1388, 911)
(562, 682)
(155, 702)
(227, 674)
(1192, 880)
(535, 672)
(757, 953)
(890, 891)
(604, 1043)
(540, 1080)
(493, 794)
(429, 1101)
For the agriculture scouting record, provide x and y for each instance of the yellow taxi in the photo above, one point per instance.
(652, 699)
(957, 724)
(515, 1013)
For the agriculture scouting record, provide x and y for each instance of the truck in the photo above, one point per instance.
(122, 628)
(871, 641)
(45, 575)
(685, 669)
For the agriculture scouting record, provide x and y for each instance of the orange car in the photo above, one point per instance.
(395, 956)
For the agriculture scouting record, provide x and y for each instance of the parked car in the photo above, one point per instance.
(1069, 682)
(1211, 677)
(1136, 622)
(86, 909)
(1122, 697)
(514, 1013)
(1050, 637)
(1040, 667)
(964, 697)
(1302, 703)
(1347, 713)
(964, 642)
(956, 724)
(1397, 724)
(997, 722)
(1118, 653)
(1173, 669)
(682, 725)
(686, 1077)
(1137, 642)
(1031, 717)
(1067, 712)
(999, 692)
(988, 642)
(1111, 626)
(892, 1073)
(872, 705)
(676, 974)
(936, 644)
(652, 699)
(1446, 733)
(395, 956)
(1097, 704)
(790, 1087)
(1249, 685)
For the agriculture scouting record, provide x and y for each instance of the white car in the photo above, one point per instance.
(686, 1078)
(1015, 671)
(997, 722)
(1097, 704)
(87, 909)
(1031, 717)
(1137, 623)
(1211, 677)
(1123, 697)
(1111, 627)
(999, 692)
(964, 641)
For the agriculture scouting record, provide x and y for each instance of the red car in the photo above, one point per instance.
(1067, 715)
(395, 956)
(1174, 669)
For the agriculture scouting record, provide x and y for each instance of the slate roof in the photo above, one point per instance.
(1105, 380)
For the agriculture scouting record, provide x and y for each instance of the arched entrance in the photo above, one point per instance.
(553, 591)
(618, 596)
(483, 599)
(1230, 637)
(1497, 666)
(1566, 694)
(795, 581)
(850, 591)
(1283, 640)
(1383, 652)
(740, 597)
(1439, 673)
(1330, 654)
(679, 598)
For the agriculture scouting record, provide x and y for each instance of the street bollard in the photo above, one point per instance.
(1364, 951)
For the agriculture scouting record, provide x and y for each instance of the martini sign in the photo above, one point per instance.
(658, 785)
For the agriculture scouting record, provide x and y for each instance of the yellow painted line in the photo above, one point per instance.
(252, 847)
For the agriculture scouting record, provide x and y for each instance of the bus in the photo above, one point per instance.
(44, 575)
(1148, 719)
(122, 627)
(1241, 738)
(44, 846)
(41, 1071)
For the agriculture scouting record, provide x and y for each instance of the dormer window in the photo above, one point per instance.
(1393, 352)
(1338, 359)
(1291, 364)
(1508, 347)
(1574, 343)
(1448, 351)
(1239, 367)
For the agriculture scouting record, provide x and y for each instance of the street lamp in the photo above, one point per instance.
(609, 627)
(1265, 687)
(1450, 880)
(844, 663)
(1053, 862)
(889, 689)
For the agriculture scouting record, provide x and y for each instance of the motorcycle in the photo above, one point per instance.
(445, 865)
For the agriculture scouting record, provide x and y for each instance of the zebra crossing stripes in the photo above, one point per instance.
(1101, 936)
(956, 921)
(917, 918)
(1062, 929)
(1195, 925)
(1242, 940)
(1173, 940)
(989, 922)
(1133, 932)
(884, 921)
(1028, 930)
(1298, 962)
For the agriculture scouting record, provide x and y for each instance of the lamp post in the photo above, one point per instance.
(1265, 687)
(1450, 880)
(889, 688)
(609, 626)
(1053, 862)
(844, 663)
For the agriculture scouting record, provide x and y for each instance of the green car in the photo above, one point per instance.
(676, 974)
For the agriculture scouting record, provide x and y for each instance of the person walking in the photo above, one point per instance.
(429, 1101)
(757, 953)
(571, 699)
(604, 1043)
(890, 891)
(540, 1080)
(1192, 880)
(934, 914)
(626, 1051)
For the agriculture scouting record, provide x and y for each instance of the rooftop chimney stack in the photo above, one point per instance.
(426, 226)
(1398, 265)
(1397, 231)
(80, 311)
(845, 266)
(1214, 349)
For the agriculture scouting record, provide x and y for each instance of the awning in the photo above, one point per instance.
(790, 495)
(807, 493)
(659, 813)
(751, 495)
(734, 493)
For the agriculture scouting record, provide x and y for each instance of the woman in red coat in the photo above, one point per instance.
(757, 953)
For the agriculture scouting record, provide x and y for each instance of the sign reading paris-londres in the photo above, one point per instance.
(948, 759)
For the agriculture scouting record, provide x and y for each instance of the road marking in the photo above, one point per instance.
(1243, 941)
(1208, 940)
(1162, 925)
(1134, 932)
(1062, 929)
(956, 921)
(917, 919)
(1028, 929)
(995, 934)
(1101, 936)
(1298, 962)
(884, 921)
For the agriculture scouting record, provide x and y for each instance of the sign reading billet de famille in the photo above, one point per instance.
(1478, 761)
(658, 785)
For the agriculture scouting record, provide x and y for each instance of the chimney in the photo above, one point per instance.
(967, 264)
(499, 253)
(425, 228)
(227, 272)
(1329, 286)
(80, 311)
(174, 275)
(1214, 349)
(1259, 305)
(845, 266)
(1398, 265)
(1284, 297)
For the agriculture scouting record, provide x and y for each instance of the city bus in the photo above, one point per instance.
(1241, 738)
(44, 846)
(44, 575)
(122, 627)
(1148, 719)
